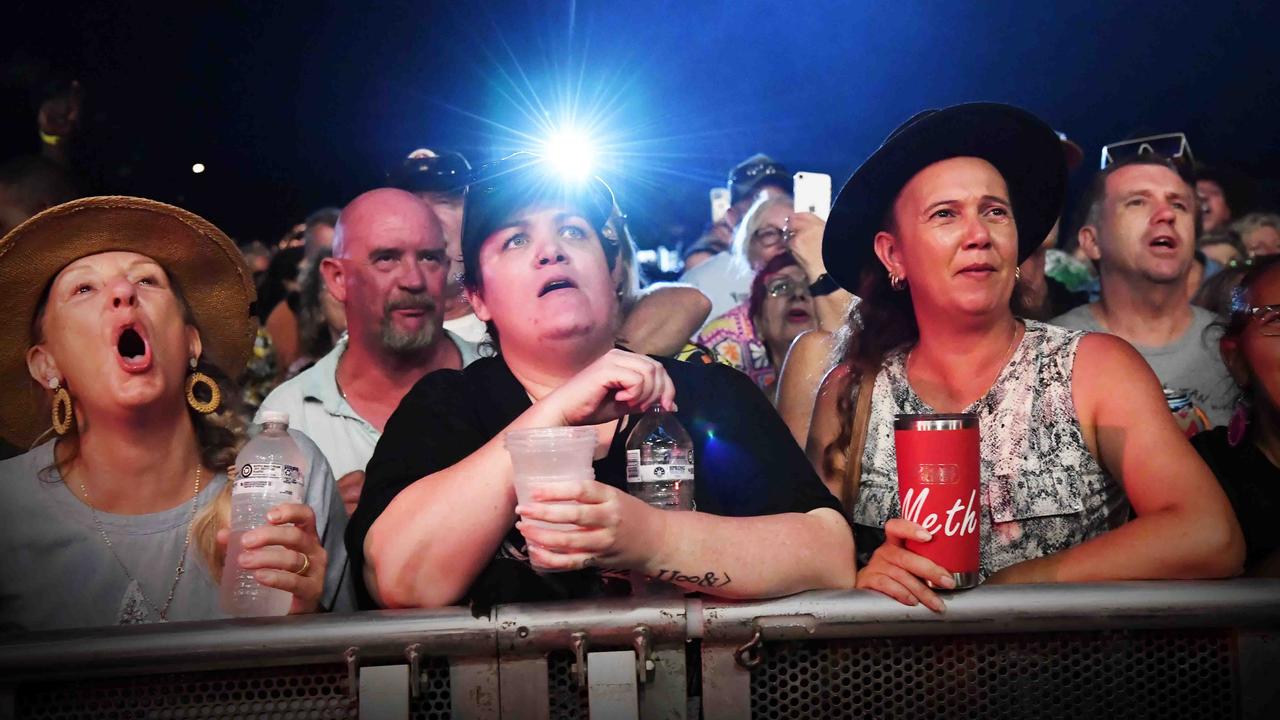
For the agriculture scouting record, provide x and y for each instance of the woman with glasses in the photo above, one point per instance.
(781, 308)
(1245, 455)
(438, 522)
(755, 336)
(732, 337)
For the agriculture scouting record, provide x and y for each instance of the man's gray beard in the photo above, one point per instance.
(406, 343)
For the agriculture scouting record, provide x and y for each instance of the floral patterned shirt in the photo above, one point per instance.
(733, 340)
(1042, 490)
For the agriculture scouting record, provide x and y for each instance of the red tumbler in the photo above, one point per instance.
(940, 486)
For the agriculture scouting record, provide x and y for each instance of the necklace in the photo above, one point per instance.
(162, 612)
(1008, 352)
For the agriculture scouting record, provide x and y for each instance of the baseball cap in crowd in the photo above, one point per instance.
(501, 189)
(425, 170)
(756, 171)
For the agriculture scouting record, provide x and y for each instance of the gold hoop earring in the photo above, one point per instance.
(1017, 274)
(62, 412)
(215, 395)
(896, 282)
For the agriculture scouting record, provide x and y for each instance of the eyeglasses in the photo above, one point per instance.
(769, 236)
(784, 287)
(1268, 316)
(1173, 146)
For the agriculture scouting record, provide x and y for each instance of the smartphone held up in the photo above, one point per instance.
(812, 192)
(719, 203)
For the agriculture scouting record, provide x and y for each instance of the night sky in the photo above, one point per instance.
(297, 105)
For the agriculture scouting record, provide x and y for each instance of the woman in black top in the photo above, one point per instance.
(437, 521)
(1245, 455)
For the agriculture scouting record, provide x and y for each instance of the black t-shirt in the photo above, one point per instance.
(746, 463)
(1252, 485)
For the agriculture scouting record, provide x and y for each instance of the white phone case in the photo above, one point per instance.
(812, 192)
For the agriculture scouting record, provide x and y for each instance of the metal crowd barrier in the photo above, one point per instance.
(1133, 650)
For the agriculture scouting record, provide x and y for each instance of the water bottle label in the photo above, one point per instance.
(656, 472)
(269, 478)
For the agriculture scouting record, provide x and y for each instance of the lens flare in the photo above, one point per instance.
(570, 153)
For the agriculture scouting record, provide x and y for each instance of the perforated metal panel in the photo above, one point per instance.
(434, 697)
(568, 701)
(311, 693)
(1164, 675)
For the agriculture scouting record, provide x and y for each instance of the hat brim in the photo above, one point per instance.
(203, 262)
(1026, 152)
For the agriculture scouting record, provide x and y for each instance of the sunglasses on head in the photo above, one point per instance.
(1268, 316)
(1173, 146)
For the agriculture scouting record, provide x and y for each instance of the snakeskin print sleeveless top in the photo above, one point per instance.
(1042, 490)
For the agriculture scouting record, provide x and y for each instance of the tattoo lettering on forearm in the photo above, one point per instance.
(706, 580)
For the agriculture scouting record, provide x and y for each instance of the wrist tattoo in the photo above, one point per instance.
(707, 580)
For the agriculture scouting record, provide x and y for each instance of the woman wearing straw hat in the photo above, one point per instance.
(929, 233)
(125, 319)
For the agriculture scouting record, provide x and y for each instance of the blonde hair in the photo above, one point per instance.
(1253, 221)
(221, 434)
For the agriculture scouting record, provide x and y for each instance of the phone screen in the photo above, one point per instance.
(719, 203)
(812, 192)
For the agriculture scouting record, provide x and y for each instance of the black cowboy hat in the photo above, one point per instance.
(1026, 151)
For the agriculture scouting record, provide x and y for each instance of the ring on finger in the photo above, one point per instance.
(590, 562)
(306, 565)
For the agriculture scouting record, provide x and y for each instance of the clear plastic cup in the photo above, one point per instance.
(547, 455)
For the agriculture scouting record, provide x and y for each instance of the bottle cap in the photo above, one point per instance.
(275, 416)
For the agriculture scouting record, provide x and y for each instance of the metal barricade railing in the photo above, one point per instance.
(1141, 649)
(1159, 650)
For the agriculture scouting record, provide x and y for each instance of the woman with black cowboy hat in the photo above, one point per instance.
(125, 318)
(437, 522)
(929, 233)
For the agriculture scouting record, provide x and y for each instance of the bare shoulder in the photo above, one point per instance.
(834, 383)
(1106, 359)
(672, 289)
(811, 346)
(825, 422)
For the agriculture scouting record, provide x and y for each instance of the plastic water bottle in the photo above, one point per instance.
(270, 470)
(660, 461)
(660, 472)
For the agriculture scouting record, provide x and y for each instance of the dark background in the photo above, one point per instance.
(297, 105)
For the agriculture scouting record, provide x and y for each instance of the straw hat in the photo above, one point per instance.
(199, 257)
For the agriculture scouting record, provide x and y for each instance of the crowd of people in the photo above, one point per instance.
(1122, 365)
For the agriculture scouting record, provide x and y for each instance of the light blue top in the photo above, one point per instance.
(57, 572)
(1191, 364)
(316, 407)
